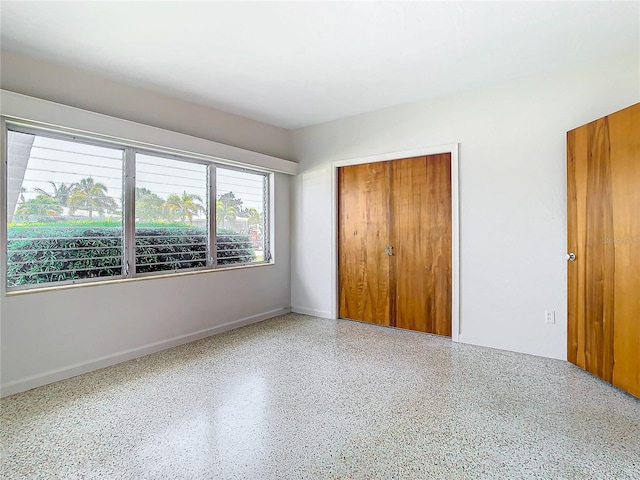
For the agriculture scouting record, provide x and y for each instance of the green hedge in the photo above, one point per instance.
(234, 248)
(41, 254)
(170, 248)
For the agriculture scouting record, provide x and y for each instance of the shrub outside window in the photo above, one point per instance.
(171, 198)
(80, 210)
(64, 215)
(240, 216)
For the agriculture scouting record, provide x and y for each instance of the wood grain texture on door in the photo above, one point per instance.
(421, 235)
(363, 234)
(603, 211)
(405, 204)
(624, 128)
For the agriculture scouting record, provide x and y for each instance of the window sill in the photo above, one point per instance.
(55, 288)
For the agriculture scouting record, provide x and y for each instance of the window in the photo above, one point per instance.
(240, 216)
(171, 214)
(64, 215)
(75, 215)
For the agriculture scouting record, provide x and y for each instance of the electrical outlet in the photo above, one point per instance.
(549, 316)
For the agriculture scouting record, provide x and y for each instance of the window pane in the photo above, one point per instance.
(171, 214)
(64, 209)
(240, 216)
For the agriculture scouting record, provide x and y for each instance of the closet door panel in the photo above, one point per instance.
(421, 236)
(363, 234)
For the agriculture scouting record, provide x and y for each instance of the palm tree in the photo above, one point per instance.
(148, 205)
(225, 212)
(90, 196)
(255, 217)
(60, 193)
(41, 206)
(185, 206)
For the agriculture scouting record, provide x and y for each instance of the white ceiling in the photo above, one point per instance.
(302, 63)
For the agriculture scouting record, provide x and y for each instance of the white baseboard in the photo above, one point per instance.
(312, 311)
(27, 383)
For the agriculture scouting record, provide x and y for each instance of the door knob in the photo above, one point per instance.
(388, 250)
(571, 257)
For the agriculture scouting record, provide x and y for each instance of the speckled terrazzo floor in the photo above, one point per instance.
(298, 397)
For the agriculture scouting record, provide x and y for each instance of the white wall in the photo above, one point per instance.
(512, 194)
(80, 89)
(53, 335)
(47, 336)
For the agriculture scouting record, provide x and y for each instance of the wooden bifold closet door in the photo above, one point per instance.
(394, 243)
(603, 215)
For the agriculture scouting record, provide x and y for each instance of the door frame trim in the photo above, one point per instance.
(451, 148)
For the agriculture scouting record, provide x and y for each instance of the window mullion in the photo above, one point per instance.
(129, 211)
(212, 217)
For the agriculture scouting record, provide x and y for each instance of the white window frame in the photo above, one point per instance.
(23, 127)
(266, 208)
(130, 214)
(24, 113)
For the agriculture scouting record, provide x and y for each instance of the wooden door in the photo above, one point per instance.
(421, 236)
(603, 215)
(405, 204)
(363, 234)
